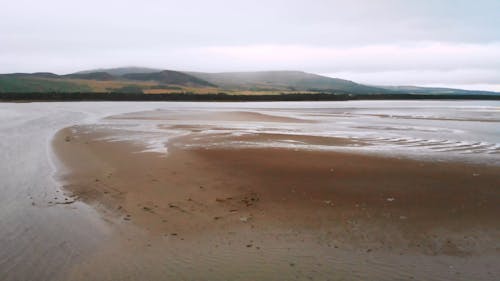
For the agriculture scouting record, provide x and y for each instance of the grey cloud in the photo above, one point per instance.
(65, 36)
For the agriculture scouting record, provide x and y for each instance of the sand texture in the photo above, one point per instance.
(264, 213)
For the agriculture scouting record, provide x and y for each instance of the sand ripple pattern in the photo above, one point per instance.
(40, 239)
(462, 147)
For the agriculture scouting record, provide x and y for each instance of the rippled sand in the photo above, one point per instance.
(54, 229)
(220, 207)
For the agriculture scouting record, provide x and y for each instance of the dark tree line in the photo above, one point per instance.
(225, 97)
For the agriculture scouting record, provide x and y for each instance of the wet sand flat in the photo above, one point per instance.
(317, 215)
(238, 116)
(228, 209)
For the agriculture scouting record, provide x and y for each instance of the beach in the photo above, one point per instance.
(210, 191)
(250, 191)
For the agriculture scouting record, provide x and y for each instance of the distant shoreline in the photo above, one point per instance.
(55, 97)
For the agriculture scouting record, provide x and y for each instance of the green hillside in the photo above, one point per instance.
(283, 80)
(435, 91)
(13, 84)
(119, 71)
(131, 79)
(99, 76)
(169, 77)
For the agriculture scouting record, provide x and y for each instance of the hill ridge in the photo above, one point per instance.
(170, 81)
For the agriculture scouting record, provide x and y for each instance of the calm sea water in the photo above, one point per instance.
(38, 238)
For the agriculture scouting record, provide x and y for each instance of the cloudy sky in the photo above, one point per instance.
(419, 42)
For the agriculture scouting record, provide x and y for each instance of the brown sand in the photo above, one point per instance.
(197, 189)
(358, 202)
(234, 116)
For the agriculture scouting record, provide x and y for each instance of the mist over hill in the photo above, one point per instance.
(283, 80)
(119, 71)
(436, 90)
(169, 77)
(154, 81)
(99, 76)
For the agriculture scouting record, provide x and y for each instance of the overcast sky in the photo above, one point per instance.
(421, 42)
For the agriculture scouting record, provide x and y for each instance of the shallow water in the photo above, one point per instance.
(39, 238)
(461, 131)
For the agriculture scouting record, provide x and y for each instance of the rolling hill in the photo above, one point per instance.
(22, 83)
(99, 76)
(156, 82)
(153, 81)
(119, 71)
(435, 91)
(169, 77)
(285, 81)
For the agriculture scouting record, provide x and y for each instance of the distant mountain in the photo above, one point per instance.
(169, 77)
(38, 83)
(99, 76)
(156, 82)
(284, 80)
(436, 91)
(153, 81)
(34, 75)
(119, 71)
